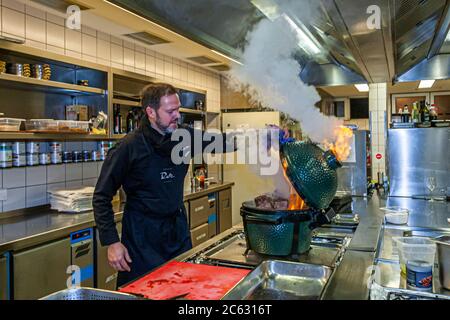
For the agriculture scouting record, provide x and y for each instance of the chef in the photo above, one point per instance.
(155, 227)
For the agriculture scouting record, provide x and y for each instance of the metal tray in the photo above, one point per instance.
(280, 280)
(89, 294)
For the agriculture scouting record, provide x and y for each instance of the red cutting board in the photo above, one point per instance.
(202, 282)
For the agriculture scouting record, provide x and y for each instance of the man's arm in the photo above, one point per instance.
(111, 177)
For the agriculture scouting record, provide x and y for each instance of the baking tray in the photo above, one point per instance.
(89, 294)
(280, 280)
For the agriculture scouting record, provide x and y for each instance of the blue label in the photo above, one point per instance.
(212, 218)
(420, 280)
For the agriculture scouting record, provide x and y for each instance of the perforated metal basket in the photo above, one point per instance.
(89, 294)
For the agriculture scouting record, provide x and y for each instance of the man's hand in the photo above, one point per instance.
(118, 257)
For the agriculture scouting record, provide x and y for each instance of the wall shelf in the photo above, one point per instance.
(51, 136)
(126, 102)
(49, 85)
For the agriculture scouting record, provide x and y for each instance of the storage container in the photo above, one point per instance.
(10, 124)
(41, 125)
(396, 215)
(414, 248)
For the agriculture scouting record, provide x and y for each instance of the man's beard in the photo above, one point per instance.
(164, 129)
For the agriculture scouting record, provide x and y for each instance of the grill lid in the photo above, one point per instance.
(311, 171)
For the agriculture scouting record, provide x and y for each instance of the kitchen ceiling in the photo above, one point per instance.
(411, 30)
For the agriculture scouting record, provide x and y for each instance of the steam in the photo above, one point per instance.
(270, 75)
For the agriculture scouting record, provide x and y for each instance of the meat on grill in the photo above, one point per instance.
(271, 202)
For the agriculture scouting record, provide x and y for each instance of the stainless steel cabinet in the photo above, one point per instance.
(3, 278)
(106, 276)
(41, 270)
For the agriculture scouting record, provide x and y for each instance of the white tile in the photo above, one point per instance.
(116, 54)
(128, 45)
(73, 40)
(13, 22)
(103, 36)
(56, 173)
(150, 63)
(73, 54)
(140, 71)
(35, 29)
(103, 49)
(104, 62)
(197, 78)
(159, 56)
(168, 71)
(90, 182)
(36, 175)
(55, 35)
(150, 74)
(128, 57)
(149, 52)
(89, 31)
(89, 170)
(35, 12)
(176, 71)
(129, 68)
(16, 199)
(1, 24)
(89, 58)
(74, 171)
(74, 184)
(55, 19)
(159, 66)
(14, 178)
(57, 50)
(89, 45)
(99, 167)
(54, 186)
(183, 72)
(139, 49)
(190, 75)
(1, 175)
(14, 4)
(36, 196)
(117, 41)
(139, 60)
(117, 65)
(35, 44)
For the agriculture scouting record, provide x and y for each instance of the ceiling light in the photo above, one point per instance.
(424, 84)
(305, 42)
(363, 87)
(227, 57)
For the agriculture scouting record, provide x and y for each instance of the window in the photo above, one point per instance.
(359, 108)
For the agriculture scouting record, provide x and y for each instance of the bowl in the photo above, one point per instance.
(396, 215)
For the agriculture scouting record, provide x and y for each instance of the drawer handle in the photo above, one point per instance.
(199, 208)
(201, 236)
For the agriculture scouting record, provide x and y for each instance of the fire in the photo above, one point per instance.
(295, 201)
(341, 147)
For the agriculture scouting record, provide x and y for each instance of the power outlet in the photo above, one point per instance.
(3, 194)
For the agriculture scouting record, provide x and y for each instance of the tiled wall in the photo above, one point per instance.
(28, 186)
(48, 32)
(378, 123)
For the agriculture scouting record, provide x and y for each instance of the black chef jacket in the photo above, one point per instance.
(154, 225)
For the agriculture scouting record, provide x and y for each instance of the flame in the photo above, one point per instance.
(341, 147)
(295, 201)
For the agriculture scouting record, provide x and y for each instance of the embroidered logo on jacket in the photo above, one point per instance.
(166, 175)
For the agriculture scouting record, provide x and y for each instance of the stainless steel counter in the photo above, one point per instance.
(30, 227)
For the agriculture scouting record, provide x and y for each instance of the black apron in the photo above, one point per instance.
(154, 225)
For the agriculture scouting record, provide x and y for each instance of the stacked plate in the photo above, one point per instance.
(73, 200)
(14, 68)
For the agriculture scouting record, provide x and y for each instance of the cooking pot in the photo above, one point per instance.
(312, 172)
(281, 232)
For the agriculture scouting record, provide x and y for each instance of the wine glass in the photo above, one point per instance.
(430, 182)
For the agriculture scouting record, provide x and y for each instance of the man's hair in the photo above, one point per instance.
(151, 95)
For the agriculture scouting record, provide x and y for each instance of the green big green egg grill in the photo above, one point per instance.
(312, 172)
